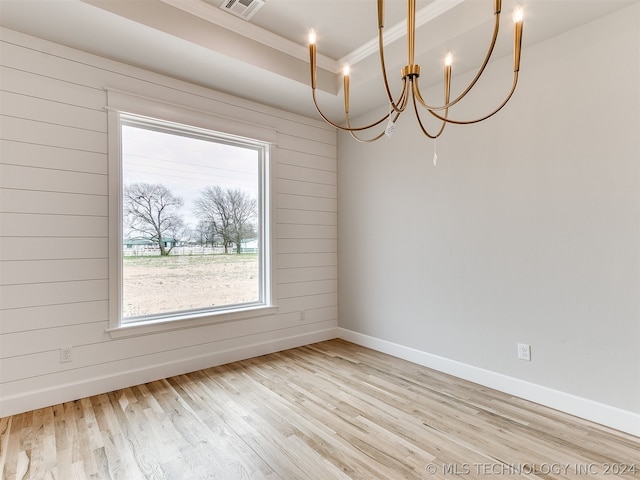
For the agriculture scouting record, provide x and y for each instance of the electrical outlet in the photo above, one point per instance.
(65, 354)
(301, 315)
(524, 352)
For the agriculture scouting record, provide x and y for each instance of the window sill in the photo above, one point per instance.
(155, 326)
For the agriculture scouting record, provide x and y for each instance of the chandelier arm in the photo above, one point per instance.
(416, 94)
(477, 120)
(348, 129)
(487, 57)
(366, 140)
(400, 106)
(369, 140)
(383, 67)
(420, 124)
(494, 39)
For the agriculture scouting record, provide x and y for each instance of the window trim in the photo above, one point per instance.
(121, 104)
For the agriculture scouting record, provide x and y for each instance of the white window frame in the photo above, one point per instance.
(123, 106)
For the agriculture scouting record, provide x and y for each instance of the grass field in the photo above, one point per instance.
(156, 285)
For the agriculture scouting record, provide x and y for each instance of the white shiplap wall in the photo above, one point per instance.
(54, 231)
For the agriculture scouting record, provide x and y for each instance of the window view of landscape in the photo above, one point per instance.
(190, 222)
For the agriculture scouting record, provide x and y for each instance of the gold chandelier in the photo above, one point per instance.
(410, 74)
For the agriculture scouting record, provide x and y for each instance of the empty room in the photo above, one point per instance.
(312, 239)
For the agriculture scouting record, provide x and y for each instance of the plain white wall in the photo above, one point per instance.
(528, 229)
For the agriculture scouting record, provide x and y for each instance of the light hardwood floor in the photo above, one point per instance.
(331, 410)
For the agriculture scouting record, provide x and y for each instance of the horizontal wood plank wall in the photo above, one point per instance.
(54, 230)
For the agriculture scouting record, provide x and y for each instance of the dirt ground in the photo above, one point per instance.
(155, 285)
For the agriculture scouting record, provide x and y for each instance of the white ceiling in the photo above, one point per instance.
(266, 59)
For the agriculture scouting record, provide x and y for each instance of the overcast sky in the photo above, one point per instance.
(186, 165)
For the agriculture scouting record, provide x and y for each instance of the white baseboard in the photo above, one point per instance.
(84, 388)
(607, 415)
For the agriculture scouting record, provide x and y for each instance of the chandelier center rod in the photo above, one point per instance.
(411, 31)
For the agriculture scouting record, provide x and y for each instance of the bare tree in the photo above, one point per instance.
(205, 233)
(213, 208)
(243, 210)
(151, 211)
(229, 212)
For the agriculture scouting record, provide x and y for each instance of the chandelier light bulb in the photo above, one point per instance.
(312, 57)
(448, 59)
(518, 14)
(345, 70)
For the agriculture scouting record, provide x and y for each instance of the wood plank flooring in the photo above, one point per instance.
(331, 410)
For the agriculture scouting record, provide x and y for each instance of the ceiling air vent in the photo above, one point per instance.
(242, 8)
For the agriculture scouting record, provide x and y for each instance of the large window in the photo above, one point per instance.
(193, 223)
